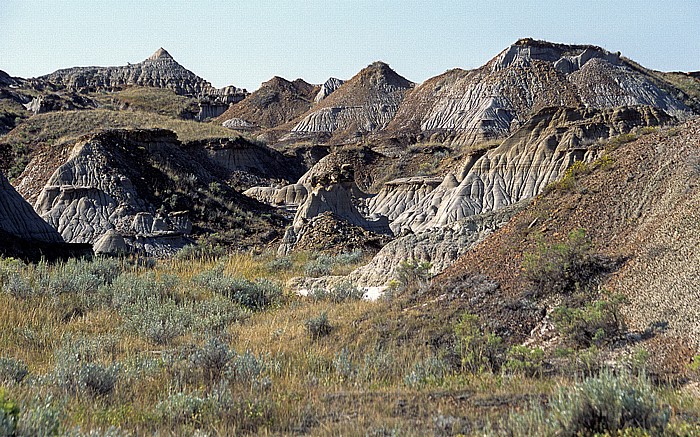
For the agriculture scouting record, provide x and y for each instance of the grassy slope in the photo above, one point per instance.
(61, 127)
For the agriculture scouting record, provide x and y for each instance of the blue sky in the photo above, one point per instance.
(244, 43)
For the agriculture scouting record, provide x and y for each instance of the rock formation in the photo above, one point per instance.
(159, 70)
(439, 246)
(328, 88)
(19, 219)
(141, 185)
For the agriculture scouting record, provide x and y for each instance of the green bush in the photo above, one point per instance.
(12, 370)
(479, 350)
(413, 274)
(9, 412)
(524, 360)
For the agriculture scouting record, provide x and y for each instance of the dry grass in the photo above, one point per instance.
(155, 100)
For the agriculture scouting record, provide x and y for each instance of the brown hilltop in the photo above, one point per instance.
(277, 101)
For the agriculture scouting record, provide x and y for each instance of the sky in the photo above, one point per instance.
(245, 43)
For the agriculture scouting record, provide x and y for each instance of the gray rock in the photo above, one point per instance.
(328, 88)
(110, 243)
(440, 246)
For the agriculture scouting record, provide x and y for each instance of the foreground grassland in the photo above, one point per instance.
(216, 345)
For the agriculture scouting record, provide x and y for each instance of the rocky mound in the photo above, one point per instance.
(366, 103)
(640, 206)
(327, 233)
(277, 101)
(467, 107)
(143, 185)
(159, 70)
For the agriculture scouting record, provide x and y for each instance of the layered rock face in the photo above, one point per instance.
(533, 157)
(467, 107)
(137, 186)
(276, 102)
(328, 88)
(365, 103)
(246, 164)
(160, 70)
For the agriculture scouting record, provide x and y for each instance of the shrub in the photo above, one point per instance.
(607, 403)
(212, 358)
(12, 370)
(18, 286)
(479, 350)
(428, 371)
(318, 326)
(90, 378)
(319, 266)
(39, 419)
(596, 323)
(250, 369)
(564, 267)
(343, 365)
(76, 370)
(254, 295)
(348, 258)
(340, 292)
(200, 252)
(181, 408)
(158, 321)
(413, 274)
(279, 264)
